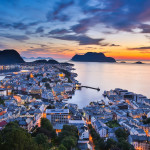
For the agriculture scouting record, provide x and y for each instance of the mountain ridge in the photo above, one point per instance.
(10, 56)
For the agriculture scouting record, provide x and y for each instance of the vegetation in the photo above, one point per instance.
(38, 75)
(47, 86)
(147, 121)
(62, 147)
(121, 133)
(42, 141)
(98, 142)
(110, 144)
(66, 140)
(112, 124)
(46, 80)
(51, 107)
(28, 77)
(68, 137)
(45, 123)
(46, 129)
(1, 101)
(122, 136)
(12, 137)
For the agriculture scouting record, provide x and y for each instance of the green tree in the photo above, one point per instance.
(51, 107)
(47, 86)
(124, 145)
(72, 129)
(1, 101)
(147, 121)
(68, 131)
(47, 129)
(42, 140)
(28, 77)
(69, 142)
(110, 144)
(121, 133)
(45, 123)
(15, 138)
(62, 147)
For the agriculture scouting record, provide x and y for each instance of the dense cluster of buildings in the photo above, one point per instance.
(128, 109)
(42, 91)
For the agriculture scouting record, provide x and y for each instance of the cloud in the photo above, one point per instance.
(113, 45)
(145, 49)
(35, 51)
(84, 25)
(15, 37)
(39, 30)
(59, 31)
(140, 48)
(17, 25)
(121, 15)
(3, 46)
(59, 7)
(41, 45)
(145, 28)
(81, 39)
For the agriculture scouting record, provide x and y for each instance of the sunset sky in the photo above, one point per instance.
(63, 28)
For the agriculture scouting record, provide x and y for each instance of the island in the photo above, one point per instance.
(92, 57)
(10, 56)
(123, 62)
(139, 62)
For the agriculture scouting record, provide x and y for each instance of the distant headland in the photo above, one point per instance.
(93, 57)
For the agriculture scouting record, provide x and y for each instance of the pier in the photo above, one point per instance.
(98, 89)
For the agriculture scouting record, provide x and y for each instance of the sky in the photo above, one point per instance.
(63, 28)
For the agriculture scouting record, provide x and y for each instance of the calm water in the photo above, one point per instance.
(107, 76)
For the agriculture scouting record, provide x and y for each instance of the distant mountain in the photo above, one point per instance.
(44, 58)
(44, 61)
(10, 56)
(37, 58)
(23, 57)
(93, 57)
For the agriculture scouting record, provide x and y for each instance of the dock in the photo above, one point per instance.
(98, 89)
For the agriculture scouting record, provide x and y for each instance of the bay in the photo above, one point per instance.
(107, 76)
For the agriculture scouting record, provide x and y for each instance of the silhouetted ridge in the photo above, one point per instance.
(93, 57)
(10, 56)
(44, 61)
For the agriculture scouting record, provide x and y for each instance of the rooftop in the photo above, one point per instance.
(57, 111)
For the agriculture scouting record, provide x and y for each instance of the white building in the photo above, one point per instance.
(60, 116)
(3, 92)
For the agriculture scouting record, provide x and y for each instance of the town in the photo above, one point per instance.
(120, 120)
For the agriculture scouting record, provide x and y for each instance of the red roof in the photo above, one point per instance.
(1, 113)
(3, 123)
